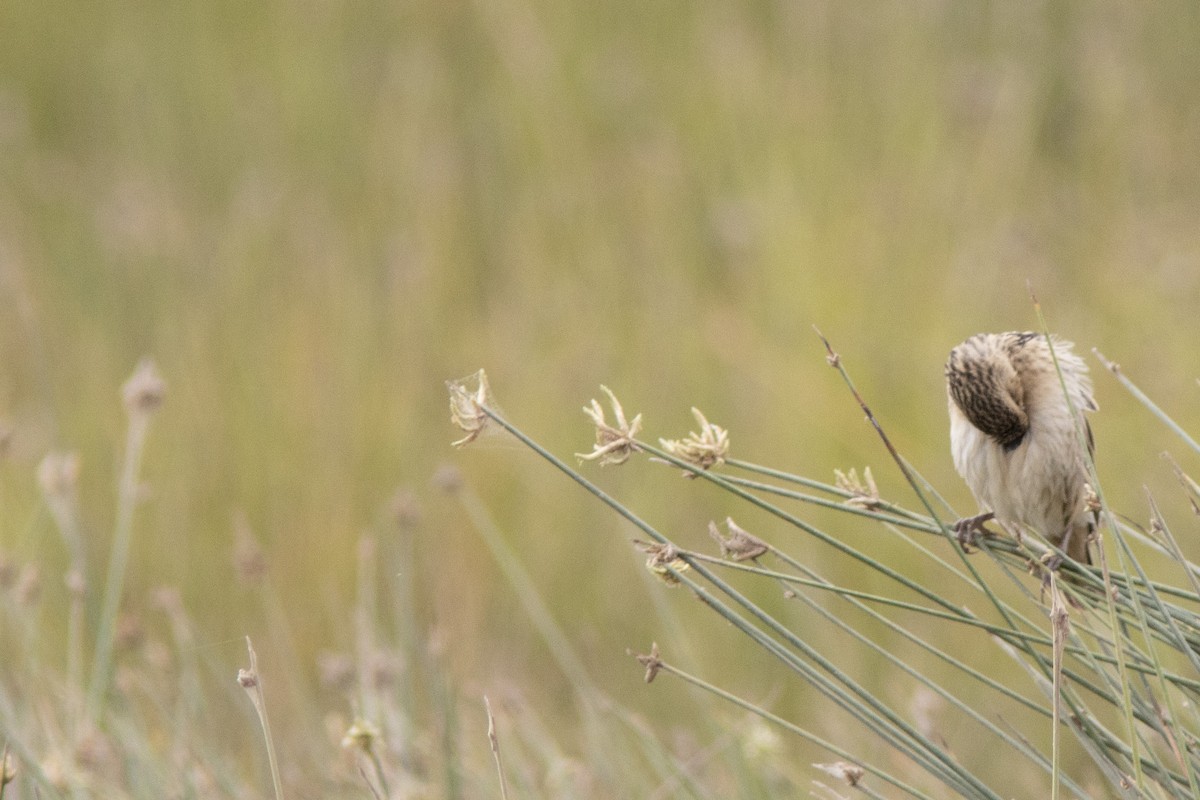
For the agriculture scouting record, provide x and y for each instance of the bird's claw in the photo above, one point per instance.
(969, 529)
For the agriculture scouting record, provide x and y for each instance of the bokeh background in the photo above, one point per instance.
(312, 214)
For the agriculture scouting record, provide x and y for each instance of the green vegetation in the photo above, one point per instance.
(309, 217)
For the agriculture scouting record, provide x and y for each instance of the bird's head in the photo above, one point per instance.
(985, 386)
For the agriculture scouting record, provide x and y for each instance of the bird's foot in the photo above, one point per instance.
(1052, 561)
(969, 529)
(1047, 566)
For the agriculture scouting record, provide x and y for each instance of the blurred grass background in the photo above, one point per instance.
(311, 215)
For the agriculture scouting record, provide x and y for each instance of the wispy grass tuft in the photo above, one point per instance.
(1098, 644)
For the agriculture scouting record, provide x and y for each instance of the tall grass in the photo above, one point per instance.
(311, 216)
(1109, 654)
(166, 719)
(999, 649)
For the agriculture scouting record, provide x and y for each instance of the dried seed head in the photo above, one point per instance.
(663, 558)
(842, 770)
(705, 449)
(169, 600)
(761, 741)
(6, 436)
(1060, 617)
(96, 754)
(1157, 526)
(447, 478)
(58, 476)
(336, 671)
(247, 679)
(384, 670)
(145, 389)
(76, 584)
(54, 765)
(405, 509)
(130, 632)
(651, 662)
(614, 443)
(864, 493)
(361, 735)
(739, 545)
(249, 561)
(467, 406)
(158, 656)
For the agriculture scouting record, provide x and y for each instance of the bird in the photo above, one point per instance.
(1019, 439)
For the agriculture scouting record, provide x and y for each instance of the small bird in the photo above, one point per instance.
(1015, 440)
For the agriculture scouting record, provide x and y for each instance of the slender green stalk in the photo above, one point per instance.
(857, 701)
(655, 665)
(951, 697)
(561, 650)
(557, 642)
(127, 501)
(910, 521)
(1173, 546)
(1039, 639)
(58, 475)
(1082, 435)
(494, 745)
(1112, 658)
(1145, 400)
(251, 681)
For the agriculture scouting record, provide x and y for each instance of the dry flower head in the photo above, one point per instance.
(249, 560)
(705, 449)
(58, 476)
(739, 545)
(75, 582)
(467, 406)
(651, 662)
(405, 508)
(247, 679)
(863, 492)
(661, 560)
(761, 741)
(337, 671)
(447, 478)
(614, 443)
(361, 735)
(842, 770)
(145, 389)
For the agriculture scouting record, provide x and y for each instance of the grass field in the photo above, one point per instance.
(310, 217)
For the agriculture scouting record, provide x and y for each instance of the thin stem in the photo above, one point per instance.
(494, 744)
(792, 727)
(1145, 400)
(127, 501)
(251, 681)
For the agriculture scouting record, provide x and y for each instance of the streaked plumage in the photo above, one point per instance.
(1013, 437)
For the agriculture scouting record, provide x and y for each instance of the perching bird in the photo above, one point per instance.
(1014, 439)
